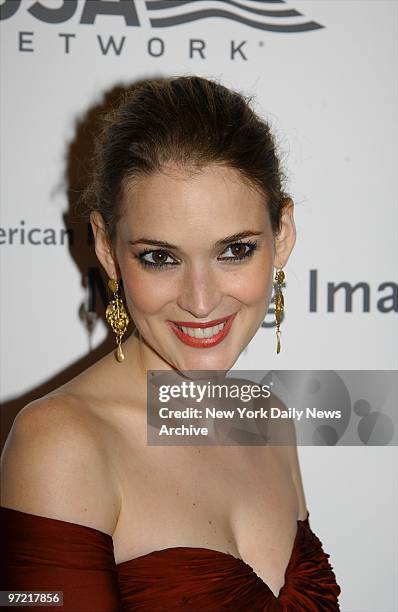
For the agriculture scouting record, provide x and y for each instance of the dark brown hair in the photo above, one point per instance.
(190, 122)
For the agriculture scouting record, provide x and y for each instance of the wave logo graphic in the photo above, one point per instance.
(260, 14)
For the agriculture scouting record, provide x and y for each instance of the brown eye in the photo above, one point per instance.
(238, 250)
(159, 257)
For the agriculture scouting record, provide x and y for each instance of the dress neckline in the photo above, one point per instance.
(301, 523)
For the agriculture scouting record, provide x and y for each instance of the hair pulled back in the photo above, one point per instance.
(190, 122)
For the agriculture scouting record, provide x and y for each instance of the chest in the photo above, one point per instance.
(239, 500)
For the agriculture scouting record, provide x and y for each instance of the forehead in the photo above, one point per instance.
(210, 200)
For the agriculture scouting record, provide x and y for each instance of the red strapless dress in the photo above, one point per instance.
(46, 554)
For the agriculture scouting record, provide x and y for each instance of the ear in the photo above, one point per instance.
(286, 237)
(103, 246)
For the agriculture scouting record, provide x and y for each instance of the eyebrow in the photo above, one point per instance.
(222, 242)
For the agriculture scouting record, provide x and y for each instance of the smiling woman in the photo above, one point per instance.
(215, 267)
(191, 222)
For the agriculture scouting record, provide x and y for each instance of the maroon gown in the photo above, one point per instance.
(41, 553)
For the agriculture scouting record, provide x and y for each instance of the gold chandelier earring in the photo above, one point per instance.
(279, 306)
(117, 317)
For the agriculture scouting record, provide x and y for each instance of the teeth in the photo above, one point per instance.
(202, 332)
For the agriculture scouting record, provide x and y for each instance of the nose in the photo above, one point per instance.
(200, 293)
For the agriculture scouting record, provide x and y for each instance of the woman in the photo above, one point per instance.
(191, 219)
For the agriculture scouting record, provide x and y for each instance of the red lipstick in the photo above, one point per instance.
(202, 342)
(202, 325)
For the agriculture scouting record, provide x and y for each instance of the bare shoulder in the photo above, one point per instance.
(55, 464)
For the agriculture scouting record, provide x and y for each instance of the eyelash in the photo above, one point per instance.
(252, 247)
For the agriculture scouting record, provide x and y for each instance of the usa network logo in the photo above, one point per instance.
(270, 15)
(263, 15)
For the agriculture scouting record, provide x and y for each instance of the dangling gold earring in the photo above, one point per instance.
(117, 317)
(279, 306)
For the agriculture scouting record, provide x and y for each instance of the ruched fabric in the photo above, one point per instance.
(44, 554)
(41, 553)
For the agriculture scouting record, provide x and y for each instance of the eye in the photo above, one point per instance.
(156, 258)
(239, 251)
(160, 258)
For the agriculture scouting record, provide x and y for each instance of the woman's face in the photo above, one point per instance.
(195, 249)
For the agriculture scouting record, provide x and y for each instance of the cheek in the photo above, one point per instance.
(256, 290)
(253, 286)
(146, 293)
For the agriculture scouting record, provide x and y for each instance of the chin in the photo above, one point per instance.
(207, 362)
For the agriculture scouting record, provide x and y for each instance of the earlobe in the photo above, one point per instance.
(103, 246)
(286, 237)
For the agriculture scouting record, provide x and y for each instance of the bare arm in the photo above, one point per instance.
(59, 507)
(53, 465)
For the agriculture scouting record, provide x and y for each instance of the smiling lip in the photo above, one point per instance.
(203, 342)
(202, 325)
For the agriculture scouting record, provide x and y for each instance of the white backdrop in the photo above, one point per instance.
(331, 96)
